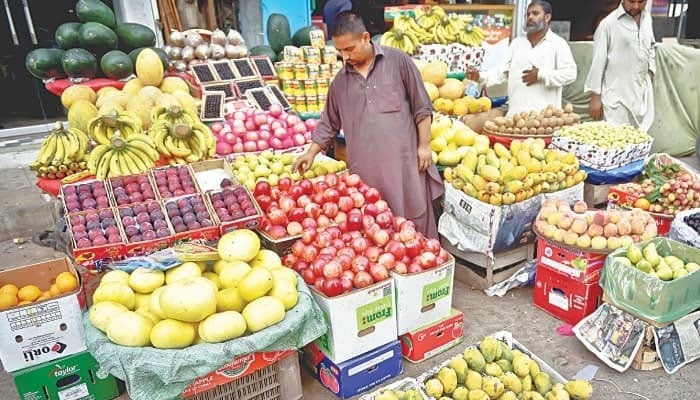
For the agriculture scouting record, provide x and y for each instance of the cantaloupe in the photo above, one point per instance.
(452, 89)
(133, 86)
(80, 113)
(77, 92)
(435, 72)
(149, 68)
(433, 91)
(173, 83)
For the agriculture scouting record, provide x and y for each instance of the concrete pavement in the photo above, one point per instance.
(25, 212)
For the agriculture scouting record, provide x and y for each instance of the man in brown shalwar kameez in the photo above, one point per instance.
(379, 101)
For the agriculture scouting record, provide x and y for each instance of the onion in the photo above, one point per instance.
(176, 38)
(176, 53)
(241, 51)
(187, 54)
(231, 51)
(217, 51)
(180, 66)
(234, 37)
(193, 39)
(167, 49)
(218, 37)
(202, 51)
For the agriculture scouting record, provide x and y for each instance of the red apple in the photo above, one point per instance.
(284, 183)
(323, 239)
(347, 251)
(346, 283)
(372, 195)
(264, 201)
(331, 180)
(309, 253)
(344, 260)
(345, 203)
(294, 228)
(329, 251)
(323, 221)
(370, 209)
(413, 248)
(378, 272)
(262, 188)
(396, 248)
(308, 235)
(433, 246)
(407, 233)
(362, 279)
(289, 260)
(384, 219)
(306, 186)
(414, 267)
(277, 231)
(380, 237)
(313, 210)
(296, 214)
(358, 200)
(359, 263)
(427, 260)
(382, 205)
(351, 179)
(332, 269)
(400, 268)
(286, 203)
(295, 191)
(387, 260)
(330, 209)
(309, 222)
(277, 217)
(332, 287)
(354, 220)
(331, 195)
(372, 253)
(303, 199)
(308, 276)
(359, 245)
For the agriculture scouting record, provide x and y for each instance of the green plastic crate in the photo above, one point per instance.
(649, 297)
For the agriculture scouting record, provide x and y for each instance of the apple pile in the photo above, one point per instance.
(590, 229)
(290, 207)
(256, 130)
(85, 196)
(132, 189)
(336, 259)
(232, 204)
(174, 181)
(188, 213)
(144, 221)
(94, 228)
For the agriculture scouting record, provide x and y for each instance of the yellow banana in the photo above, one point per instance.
(73, 145)
(130, 161)
(96, 155)
(60, 151)
(140, 137)
(103, 165)
(142, 164)
(149, 151)
(115, 168)
(48, 149)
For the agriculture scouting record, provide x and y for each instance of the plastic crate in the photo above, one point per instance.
(278, 381)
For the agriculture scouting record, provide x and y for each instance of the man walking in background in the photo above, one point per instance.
(623, 66)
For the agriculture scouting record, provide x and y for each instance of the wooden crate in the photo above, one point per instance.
(479, 271)
(647, 358)
(595, 195)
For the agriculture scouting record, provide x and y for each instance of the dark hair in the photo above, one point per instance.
(546, 6)
(347, 22)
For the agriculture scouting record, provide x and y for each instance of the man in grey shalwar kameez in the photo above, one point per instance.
(379, 101)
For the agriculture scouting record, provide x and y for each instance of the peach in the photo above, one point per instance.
(580, 207)
(595, 230)
(540, 226)
(583, 241)
(546, 211)
(565, 222)
(553, 219)
(549, 231)
(624, 227)
(610, 230)
(550, 202)
(589, 216)
(599, 242)
(564, 208)
(579, 226)
(637, 226)
(570, 238)
(614, 242)
(600, 218)
(559, 235)
(614, 216)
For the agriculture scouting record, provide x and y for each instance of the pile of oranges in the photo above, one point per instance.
(11, 295)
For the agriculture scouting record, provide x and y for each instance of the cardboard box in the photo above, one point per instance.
(423, 297)
(431, 339)
(564, 297)
(210, 173)
(603, 159)
(359, 374)
(272, 374)
(581, 265)
(247, 222)
(90, 256)
(46, 330)
(69, 378)
(475, 226)
(358, 320)
(280, 246)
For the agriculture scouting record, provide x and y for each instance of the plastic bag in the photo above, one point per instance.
(682, 232)
(622, 174)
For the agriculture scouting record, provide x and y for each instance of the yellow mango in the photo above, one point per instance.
(489, 172)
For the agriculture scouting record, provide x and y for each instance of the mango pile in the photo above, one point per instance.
(448, 94)
(500, 175)
(494, 371)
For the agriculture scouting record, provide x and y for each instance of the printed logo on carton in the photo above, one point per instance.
(375, 312)
(435, 291)
(34, 354)
(60, 372)
(238, 366)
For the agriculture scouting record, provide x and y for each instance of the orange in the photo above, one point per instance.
(24, 302)
(66, 282)
(7, 300)
(29, 293)
(9, 288)
(43, 297)
(642, 203)
(54, 290)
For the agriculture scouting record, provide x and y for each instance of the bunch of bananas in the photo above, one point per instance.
(62, 153)
(433, 26)
(102, 128)
(121, 156)
(181, 136)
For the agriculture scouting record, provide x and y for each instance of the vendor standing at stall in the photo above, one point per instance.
(623, 66)
(537, 66)
(380, 102)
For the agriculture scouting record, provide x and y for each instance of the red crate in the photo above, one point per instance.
(434, 338)
(564, 297)
(88, 256)
(564, 260)
(246, 222)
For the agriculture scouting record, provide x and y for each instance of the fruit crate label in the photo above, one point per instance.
(559, 299)
(436, 291)
(74, 393)
(375, 312)
(324, 341)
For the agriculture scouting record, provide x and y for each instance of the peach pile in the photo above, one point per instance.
(593, 229)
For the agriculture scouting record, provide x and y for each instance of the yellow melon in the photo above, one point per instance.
(77, 92)
(432, 90)
(435, 72)
(452, 89)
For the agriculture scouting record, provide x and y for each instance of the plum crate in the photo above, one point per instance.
(230, 210)
(92, 238)
(191, 218)
(145, 227)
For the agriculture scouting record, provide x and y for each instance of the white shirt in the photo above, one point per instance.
(623, 55)
(552, 57)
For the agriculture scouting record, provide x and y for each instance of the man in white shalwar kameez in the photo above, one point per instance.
(537, 66)
(623, 66)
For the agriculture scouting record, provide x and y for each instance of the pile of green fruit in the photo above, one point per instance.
(603, 134)
(495, 371)
(270, 166)
(95, 46)
(647, 259)
(411, 394)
